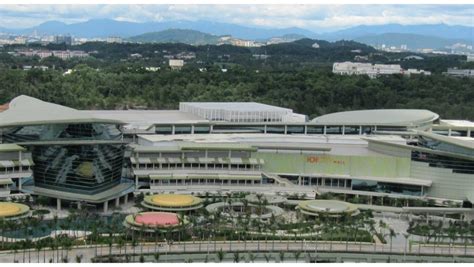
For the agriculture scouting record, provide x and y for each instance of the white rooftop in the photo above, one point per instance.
(25, 110)
(143, 119)
(340, 145)
(398, 117)
(240, 112)
(236, 106)
(457, 123)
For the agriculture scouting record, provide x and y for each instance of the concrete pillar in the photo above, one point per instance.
(58, 204)
(126, 199)
(79, 205)
(117, 202)
(19, 183)
(106, 206)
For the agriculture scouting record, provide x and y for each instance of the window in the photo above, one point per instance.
(382, 187)
(202, 129)
(314, 130)
(163, 129)
(182, 129)
(238, 128)
(294, 129)
(275, 129)
(392, 128)
(351, 130)
(327, 182)
(333, 129)
(368, 129)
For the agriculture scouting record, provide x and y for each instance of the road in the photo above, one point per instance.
(236, 246)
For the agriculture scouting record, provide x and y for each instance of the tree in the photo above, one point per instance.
(236, 257)
(79, 258)
(282, 256)
(392, 235)
(297, 255)
(39, 247)
(252, 257)
(267, 257)
(407, 236)
(220, 255)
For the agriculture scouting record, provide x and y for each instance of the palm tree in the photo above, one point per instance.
(156, 256)
(452, 234)
(134, 246)
(406, 235)
(297, 255)
(3, 226)
(39, 247)
(463, 231)
(267, 257)
(156, 231)
(120, 244)
(220, 255)
(392, 235)
(273, 229)
(236, 257)
(252, 257)
(78, 258)
(282, 256)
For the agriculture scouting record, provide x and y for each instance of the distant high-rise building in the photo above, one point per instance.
(62, 39)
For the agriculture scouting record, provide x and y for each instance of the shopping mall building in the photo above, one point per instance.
(94, 157)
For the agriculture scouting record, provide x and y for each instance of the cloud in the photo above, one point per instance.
(320, 17)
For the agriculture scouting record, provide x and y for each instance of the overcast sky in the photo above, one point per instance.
(312, 17)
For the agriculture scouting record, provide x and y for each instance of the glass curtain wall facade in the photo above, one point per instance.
(88, 167)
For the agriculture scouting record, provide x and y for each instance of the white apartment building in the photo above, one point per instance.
(176, 63)
(372, 70)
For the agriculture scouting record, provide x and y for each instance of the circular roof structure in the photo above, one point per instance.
(169, 200)
(328, 207)
(157, 218)
(12, 210)
(172, 202)
(394, 117)
(154, 220)
(269, 210)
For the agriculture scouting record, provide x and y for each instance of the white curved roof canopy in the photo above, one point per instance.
(25, 110)
(392, 117)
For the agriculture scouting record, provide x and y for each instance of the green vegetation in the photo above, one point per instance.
(294, 75)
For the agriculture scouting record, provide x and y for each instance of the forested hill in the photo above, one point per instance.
(308, 91)
(296, 75)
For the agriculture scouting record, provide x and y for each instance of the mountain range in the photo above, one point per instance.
(414, 41)
(176, 36)
(435, 35)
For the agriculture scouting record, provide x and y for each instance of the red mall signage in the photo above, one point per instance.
(316, 160)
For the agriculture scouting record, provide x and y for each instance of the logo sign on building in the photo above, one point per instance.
(317, 160)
